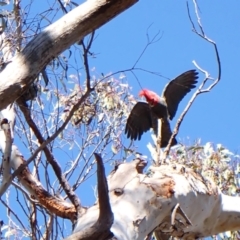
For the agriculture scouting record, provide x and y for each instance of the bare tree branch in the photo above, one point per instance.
(33, 220)
(1, 224)
(6, 168)
(149, 42)
(40, 148)
(55, 205)
(101, 229)
(105, 219)
(24, 67)
(15, 215)
(85, 59)
(50, 158)
(201, 87)
(18, 20)
(47, 234)
(160, 200)
(62, 6)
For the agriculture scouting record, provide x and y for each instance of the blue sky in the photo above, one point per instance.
(214, 116)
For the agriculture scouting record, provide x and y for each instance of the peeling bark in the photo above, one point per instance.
(171, 200)
(54, 204)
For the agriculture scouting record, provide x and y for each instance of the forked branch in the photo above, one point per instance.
(201, 88)
(49, 156)
(44, 144)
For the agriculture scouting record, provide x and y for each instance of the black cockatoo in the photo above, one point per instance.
(145, 115)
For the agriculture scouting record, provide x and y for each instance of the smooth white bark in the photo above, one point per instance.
(142, 203)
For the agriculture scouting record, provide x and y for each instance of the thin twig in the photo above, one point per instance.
(1, 224)
(49, 156)
(50, 139)
(202, 85)
(62, 6)
(149, 42)
(33, 221)
(85, 59)
(158, 142)
(15, 215)
(198, 18)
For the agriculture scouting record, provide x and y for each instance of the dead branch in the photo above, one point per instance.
(11, 211)
(150, 41)
(202, 85)
(62, 6)
(1, 224)
(43, 145)
(50, 158)
(105, 219)
(47, 234)
(24, 67)
(85, 59)
(33, 220)
(101, 228)
(54, 204)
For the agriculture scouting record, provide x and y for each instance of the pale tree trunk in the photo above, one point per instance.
(173, 200)
(22, 69)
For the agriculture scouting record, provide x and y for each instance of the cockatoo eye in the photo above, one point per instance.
(151, 102)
